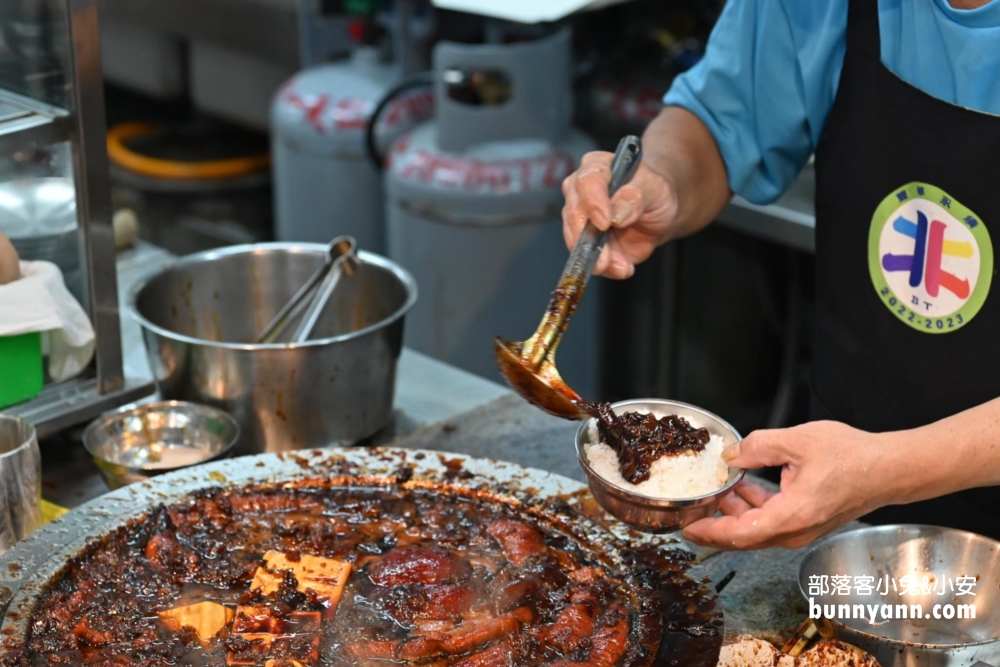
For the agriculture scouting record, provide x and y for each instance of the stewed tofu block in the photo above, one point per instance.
(206, 618)
(325, 577)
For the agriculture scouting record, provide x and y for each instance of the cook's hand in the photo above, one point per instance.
(831, 474)
(639, 216)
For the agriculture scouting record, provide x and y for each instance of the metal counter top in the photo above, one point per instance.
(790, 221)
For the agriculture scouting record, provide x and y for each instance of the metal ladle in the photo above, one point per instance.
(340, 258)
(529, 367)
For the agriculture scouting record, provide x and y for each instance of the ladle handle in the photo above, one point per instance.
(580, 265)
(583, 259)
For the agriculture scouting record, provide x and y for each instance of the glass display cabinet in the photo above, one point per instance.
(55, 200)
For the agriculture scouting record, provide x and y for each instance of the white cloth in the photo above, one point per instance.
(39, 301)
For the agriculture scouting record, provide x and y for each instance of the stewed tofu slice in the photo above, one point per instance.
(206, 618)
(325, 577)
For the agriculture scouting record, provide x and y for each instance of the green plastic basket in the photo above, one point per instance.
(20, 368)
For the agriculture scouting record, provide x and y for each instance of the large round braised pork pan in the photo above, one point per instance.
(686, 625)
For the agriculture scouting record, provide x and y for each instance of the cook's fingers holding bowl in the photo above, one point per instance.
(756, 528)
(745, 496)
(760, 449)
(754, 494)
(733, 505)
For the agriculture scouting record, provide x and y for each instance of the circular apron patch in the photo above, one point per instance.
(930, 258)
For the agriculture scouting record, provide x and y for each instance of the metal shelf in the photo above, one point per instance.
(76, 401)
(26, 124)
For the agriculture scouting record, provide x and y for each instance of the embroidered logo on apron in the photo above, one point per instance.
(931, 259)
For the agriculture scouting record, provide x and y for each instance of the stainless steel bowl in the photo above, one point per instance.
(133, 444)
(199, 318)
(647, 513)
(940, 554)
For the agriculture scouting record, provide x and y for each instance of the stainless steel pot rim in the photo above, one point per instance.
(44, 553)
(893, 528)
(654, 501)
(158, 406)
(402, 274)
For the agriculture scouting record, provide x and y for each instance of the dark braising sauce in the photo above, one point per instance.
(438, 579)
(640, 439)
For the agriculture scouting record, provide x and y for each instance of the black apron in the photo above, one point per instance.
(908, 326)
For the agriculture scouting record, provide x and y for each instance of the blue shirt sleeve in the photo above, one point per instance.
(765, 87)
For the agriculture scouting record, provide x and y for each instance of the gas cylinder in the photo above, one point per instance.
(624, 105)
(474, 200)
(626, 94)
(324, 185)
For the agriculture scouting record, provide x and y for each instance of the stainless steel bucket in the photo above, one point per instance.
(200, 314)
(921, 633)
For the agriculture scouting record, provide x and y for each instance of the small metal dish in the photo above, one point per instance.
(135, 443)
(647, 513)
(889, 553)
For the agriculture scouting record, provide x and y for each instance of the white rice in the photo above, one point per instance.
(670, 477)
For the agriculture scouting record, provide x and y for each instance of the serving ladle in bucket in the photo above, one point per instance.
(529, 367)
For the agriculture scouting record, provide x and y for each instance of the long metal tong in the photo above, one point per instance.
(341, 258)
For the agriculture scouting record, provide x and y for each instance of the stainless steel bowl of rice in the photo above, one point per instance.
(680, 489)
